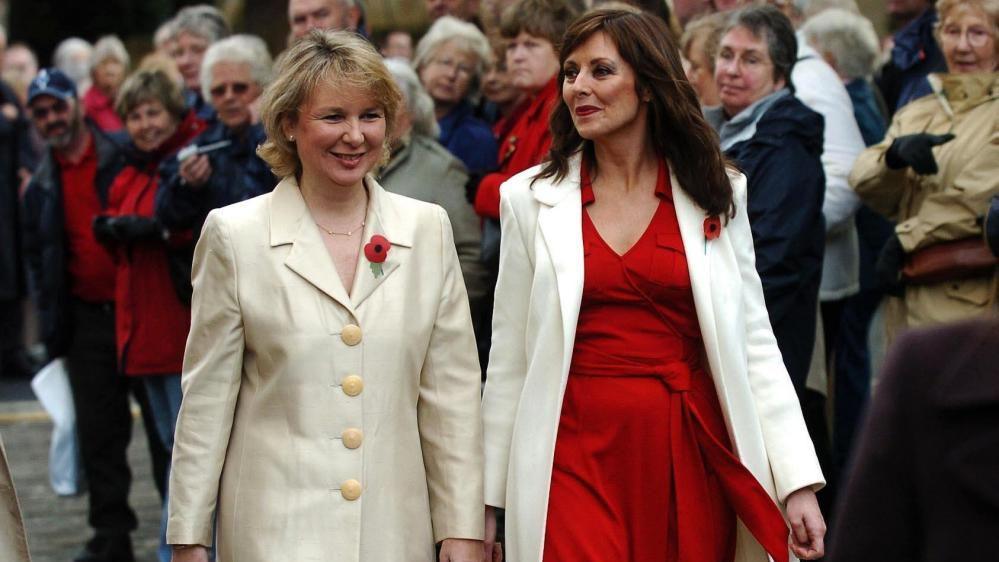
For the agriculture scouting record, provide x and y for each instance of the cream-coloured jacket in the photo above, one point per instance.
(945, 206)
(13, 543)
(537, 305)
(331, 426)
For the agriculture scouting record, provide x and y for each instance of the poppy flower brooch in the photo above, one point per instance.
(712, 230)
(376, 250)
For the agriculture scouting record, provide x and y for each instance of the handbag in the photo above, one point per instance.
(949, 261)
(51, 386)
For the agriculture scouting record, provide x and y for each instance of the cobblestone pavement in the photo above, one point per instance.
(57, 526)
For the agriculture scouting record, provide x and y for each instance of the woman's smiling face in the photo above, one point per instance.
(339, 134)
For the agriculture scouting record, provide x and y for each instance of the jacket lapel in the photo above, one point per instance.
(382, 218)
(560, 222)
(308, 257)
(691, 218)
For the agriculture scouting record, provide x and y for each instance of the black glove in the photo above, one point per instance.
(472, 186)
(991, 226)
(103, 232)
(915, 151)
(127, 228)
(888, 268)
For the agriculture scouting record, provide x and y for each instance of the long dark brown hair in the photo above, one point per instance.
(676, 125)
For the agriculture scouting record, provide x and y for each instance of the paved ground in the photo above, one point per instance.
(57, 526)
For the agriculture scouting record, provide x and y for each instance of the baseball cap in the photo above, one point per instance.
(53, 82)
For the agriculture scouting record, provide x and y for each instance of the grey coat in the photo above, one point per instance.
(425, 170)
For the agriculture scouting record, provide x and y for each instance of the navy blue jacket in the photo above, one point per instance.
(786, 188)
(237, 174)
(914, 56)
(44, 233)
(470, 139)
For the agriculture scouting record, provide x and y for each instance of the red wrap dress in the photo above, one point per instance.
(643, 470)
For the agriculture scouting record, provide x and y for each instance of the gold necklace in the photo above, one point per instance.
(335, 233)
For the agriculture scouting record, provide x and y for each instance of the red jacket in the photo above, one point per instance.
(151, 322)
(100, 109)
(526, 145)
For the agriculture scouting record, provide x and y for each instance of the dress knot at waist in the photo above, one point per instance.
(676, 373)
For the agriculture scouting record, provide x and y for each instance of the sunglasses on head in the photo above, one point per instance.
(238, 88)
(58, 106)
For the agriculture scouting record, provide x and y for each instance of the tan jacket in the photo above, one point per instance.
(534, 326)
(944, 206)
(329, 426)
(13, 544)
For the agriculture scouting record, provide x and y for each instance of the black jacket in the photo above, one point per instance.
(786, 188)
(44, 234)
(237, 174)
(13, 144)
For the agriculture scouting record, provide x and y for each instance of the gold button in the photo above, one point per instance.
(352, 385)
(350, 489)
(352, 438)
(351, 334)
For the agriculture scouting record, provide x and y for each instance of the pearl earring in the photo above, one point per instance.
(291, 138)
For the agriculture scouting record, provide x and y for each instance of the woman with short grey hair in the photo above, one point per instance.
(193, 30)
(221, 166)
(451, 60)
(421, 168)
(108, 66)
(248, 50)
(847, 41)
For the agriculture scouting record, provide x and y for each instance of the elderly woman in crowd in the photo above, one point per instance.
(636, 406)
(777, 142)
(421, 168)
(331, 389)
(934, 174)
(698, 45)
(532, 29)
(72, 56)
(151, 315)
(451, 60)
(501, 96)
(192, 31)
(108, 67)
(234, 74)
(847, 41)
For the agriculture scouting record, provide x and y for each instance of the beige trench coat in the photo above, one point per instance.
(534, 326)
(944, 206)
(13, 543)
(330, 426)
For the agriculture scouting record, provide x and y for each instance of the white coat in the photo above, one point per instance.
(537, 305)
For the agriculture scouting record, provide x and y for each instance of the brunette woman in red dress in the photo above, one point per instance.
(636, 406)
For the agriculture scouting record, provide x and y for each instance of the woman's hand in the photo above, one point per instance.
(190, 553)
(492, 550)
(196, 170)
(808, 528)
(458, 550)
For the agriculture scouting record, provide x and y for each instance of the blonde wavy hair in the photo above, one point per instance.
(321, 59)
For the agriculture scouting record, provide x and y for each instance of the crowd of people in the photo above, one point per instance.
(666, 246)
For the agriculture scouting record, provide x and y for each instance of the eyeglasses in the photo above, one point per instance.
(238, 88)
(58, 107)
(453, 65)
(977, 37)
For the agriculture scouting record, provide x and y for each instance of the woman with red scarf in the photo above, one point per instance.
(531, 28)
(152, 303)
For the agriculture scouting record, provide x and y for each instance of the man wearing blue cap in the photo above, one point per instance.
(74, 277)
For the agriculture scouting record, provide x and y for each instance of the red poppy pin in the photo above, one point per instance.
(712, 227)
(376, 250)
(712, 230)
